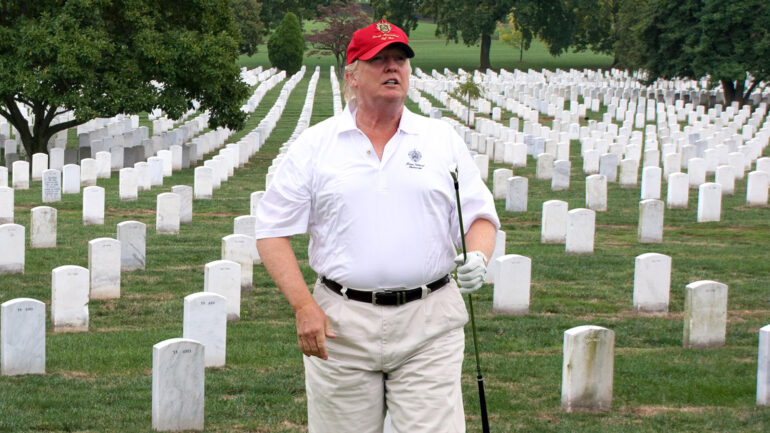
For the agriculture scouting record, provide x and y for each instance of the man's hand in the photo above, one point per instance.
(470, 273)
(312, 329)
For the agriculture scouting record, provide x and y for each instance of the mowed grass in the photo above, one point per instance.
(100, 381)
(433, 52)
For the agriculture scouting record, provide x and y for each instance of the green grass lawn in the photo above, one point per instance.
(100, 381)
(432, 52)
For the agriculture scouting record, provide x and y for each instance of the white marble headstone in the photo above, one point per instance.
(554, 222)
(20, 177)
(500, 182)
(39, 164)
(705, 314)
(205, 321)
(42, 227)
(89, 171)
(51, 186)
(709, 202)
(587, 369)
(22, 337)
(544, 167)
(652, 283)
(651, 183)
(560, 175)
(596, 193)
(203, 183)
(246, 225)
(628, 173)
(12, 252)
(132, 236)
(517, 194)
(224, 278)
(168, 208)
(70, 179)
(763, 367)
(726, 178)
(93, 205)
(580, 231)
(128, 187)
(178, 385)
(650, 229)
(69, 299)
(757, 188)
(512, 285)
(185, 194)
(6, 205)
(678, 193)
(238, 248)
(104, 268)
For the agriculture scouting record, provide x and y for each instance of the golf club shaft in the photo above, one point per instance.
(479, 377)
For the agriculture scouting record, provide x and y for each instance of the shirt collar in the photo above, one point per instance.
(408, 123)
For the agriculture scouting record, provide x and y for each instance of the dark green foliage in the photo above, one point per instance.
(98, 58)
(286, 46)
(249, 25)
(402, 13)
(729, 41)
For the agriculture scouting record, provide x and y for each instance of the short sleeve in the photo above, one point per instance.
(285, 208)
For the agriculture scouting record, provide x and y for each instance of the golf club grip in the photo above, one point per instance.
(483, 403)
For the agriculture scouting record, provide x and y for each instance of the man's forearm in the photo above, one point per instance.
(281, 264)
(481, 237)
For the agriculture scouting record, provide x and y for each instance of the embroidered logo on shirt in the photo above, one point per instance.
(415, 156)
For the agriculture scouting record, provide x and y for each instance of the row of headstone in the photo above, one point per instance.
(179, 363)
(512, 281)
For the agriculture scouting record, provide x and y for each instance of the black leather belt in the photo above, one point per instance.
(386, 297)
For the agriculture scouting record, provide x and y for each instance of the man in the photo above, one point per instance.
(383, 328)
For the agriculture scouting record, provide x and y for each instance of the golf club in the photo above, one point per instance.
(453, 170)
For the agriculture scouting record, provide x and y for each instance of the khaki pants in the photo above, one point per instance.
(406, 360)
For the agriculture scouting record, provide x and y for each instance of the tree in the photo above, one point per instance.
(98, 58)
(471, 20)
(467, 91)
(249, 25)
(402, 13)
(727, 41)
(512, 34)
(338, 22)
(272, 11)
(286, 46)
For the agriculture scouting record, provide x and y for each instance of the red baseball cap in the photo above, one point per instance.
(370, 40)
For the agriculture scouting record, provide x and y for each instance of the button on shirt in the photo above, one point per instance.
(376, 223)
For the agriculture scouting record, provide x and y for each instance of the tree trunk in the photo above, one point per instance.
(486, 43)
(521, 53)
(734, 91)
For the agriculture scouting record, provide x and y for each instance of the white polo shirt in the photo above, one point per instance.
(376, 224)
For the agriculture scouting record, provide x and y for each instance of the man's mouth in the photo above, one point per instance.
(391, 82)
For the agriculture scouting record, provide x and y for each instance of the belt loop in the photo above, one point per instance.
(344, 293)
(425, 291)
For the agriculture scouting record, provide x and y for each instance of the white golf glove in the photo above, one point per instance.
(470, 272)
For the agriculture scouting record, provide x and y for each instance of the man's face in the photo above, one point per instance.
(384, 77)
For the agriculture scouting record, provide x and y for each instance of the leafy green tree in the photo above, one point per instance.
(338, 22)
(286, 45)
(512, 34)
(471, 20)
(467, 91)
(627, 44)
(249, 25)
(272, 11)
(727, 41)
(403, 13)
(100, 58)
